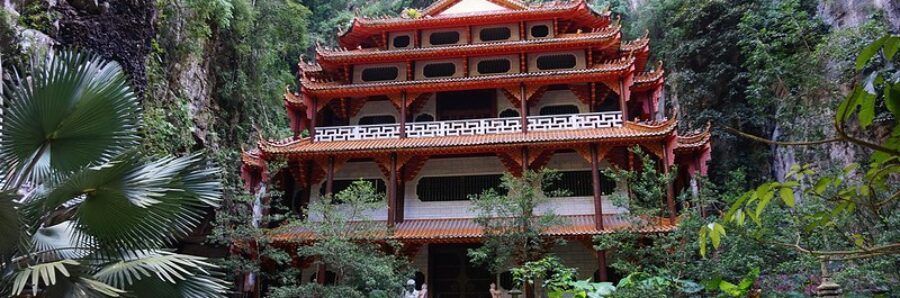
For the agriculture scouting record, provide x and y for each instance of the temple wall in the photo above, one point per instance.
(576, 255)
(414, 208)
(558, 97)
(580, 60)
(376, 108)
(459, 65)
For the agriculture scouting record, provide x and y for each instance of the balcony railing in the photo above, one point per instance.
(468, 127)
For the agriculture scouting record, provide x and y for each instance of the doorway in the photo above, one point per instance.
(452, 276)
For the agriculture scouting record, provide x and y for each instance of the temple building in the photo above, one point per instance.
(437, 104)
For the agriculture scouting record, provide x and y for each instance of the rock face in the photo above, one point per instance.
(115, 29)
(844, 13)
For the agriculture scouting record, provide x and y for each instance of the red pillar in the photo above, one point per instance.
(321, 274)
(601, 266)
(329, 182)
(595, 177)
(401, 193)
(524, 161)
(623, 104)
(392, 191)
(403, 115)
(313, 118)
(523, 108)
(670, 191)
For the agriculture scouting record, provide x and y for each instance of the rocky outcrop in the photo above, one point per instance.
(845, 13)
(115, 29)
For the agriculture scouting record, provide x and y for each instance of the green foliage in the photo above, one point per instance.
(94, 217)
(350, 246)
(35, 15)
(844, 215)
(512, 225)
(647, 188)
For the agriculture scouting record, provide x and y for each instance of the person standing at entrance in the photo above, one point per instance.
(495, 293)
(423, 293)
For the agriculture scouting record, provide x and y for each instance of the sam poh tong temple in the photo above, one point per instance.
(436, 107)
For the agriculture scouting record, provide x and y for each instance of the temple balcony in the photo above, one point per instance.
(469, 127)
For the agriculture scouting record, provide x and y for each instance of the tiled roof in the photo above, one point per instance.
(466, 229)
(629, 132)
(596, 72)
(602, 38)
(649, 79)
(362, 28)
(693, 141)
(441, 5)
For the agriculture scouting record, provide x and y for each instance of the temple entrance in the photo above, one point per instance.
(452, 276)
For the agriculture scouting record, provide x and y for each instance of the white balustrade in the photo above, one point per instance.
(469, 127)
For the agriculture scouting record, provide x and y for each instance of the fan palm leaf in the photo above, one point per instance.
(60, 277)
(73, 110)
(164, 271)
(129, 204)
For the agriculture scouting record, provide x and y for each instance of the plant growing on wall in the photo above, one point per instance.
(82, 213)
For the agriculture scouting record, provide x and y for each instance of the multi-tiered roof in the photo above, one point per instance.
(610, 69)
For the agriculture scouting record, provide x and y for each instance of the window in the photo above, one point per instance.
(491, 34)
(509, 113)
(580, 184)
(401, 41)
(559, 110)
(442, 38)
(380, 119)
(424, 118)
(466, 104)
(493, 66)
(341, 185)
(558, 61)
(539, 31)
(455, 188)
(439, 70)
(374, 74)
(611, 103)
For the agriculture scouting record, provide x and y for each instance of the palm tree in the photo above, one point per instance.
(82, 213)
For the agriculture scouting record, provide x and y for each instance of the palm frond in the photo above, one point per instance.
(128, 204)
(44, 281)
(72, 110)
(163, 274)
(61, 241)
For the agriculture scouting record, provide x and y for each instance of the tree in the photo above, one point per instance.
(844, 215)
(513, 227)
(83, 214)
(348, 243)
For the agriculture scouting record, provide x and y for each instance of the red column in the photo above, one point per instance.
(313, 118)
(595, 177)
(622, 103)
(670, 191)
(329, 182)
(523, 108)
(524, 160)
(401, 193)
(321, 274)
(403, 115)
(392, 191)
(601, 266)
